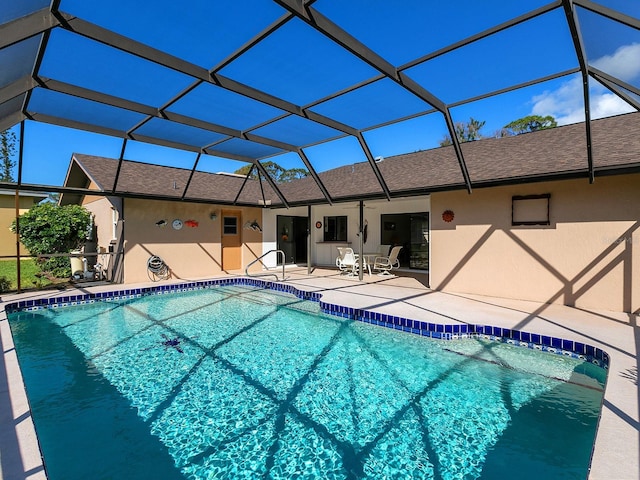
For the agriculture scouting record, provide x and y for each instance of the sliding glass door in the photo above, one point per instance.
(411, 231)
(292, 238)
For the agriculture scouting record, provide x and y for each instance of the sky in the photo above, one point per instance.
(301, 66)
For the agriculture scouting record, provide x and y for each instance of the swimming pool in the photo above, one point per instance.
(238, 382)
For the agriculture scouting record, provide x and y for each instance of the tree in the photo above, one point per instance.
(7, 150)
(278, 173)
(48, 228)
(530, 123)
(272, 169)
(293, 174)
(465, 132)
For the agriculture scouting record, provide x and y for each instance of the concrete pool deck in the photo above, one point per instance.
(616, 453)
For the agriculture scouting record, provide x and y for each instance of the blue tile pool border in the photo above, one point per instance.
(530, 340)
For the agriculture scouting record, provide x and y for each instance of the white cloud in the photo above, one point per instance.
(608, 104)
(623, 64)
(565, 104)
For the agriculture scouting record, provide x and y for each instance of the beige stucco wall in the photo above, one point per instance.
(107, 244)
(7, 216)
(102, 208)
(588, 257)
(190, 252)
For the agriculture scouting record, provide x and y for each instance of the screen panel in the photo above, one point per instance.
(10, 142)
(50, 102)
(561, 99)
(217, 178)
(343, 159)
(611, 47)
(243, 148)
(619, 149)
(416, 28)
(420, 133)
(224, 107)
(17, 61)
(98, 67)
(373, 104)
(605, 103)
(159, 155)
(10, 111)
(203, 33)
(13, 9)
(298, 64)
(151, 179)
(178, 132)
(297, 131)
(421, 170)
(623, 6)
(469, 71)
(334, 154)
(214, 164)
(48, 150)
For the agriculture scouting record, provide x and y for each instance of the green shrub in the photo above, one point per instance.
(48, 228)
(59, 267)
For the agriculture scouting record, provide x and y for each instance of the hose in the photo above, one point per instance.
(157, 269)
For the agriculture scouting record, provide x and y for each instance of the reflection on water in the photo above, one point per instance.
(264, 385)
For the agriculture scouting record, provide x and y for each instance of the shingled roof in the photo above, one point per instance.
(548, 154)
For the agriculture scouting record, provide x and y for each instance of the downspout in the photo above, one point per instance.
(20, 154)
(361, 245)
(18, 238)
(309, 240)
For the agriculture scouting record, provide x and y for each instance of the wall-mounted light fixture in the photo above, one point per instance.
(213, 216)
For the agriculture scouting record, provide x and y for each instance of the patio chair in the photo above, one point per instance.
(383, 250)
(349, 262)
(384, 265)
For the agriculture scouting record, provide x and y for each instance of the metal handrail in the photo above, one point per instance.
(246, 270)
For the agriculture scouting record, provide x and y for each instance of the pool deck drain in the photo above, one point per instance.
(617, 449)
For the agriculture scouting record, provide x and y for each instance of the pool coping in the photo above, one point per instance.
(618, 433)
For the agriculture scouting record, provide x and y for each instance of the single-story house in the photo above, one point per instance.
(533, 227)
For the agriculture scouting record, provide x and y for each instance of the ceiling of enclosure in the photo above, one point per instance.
(313, 85)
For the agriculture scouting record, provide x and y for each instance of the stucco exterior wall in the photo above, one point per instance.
(107, 212)
(191, 252)
(102, 209)
(589, 255)
(7, 216)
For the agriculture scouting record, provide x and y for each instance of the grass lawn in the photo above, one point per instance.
(28, 270)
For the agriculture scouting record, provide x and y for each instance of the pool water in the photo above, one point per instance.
(236, 382)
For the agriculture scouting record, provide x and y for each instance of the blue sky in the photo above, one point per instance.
(301, 66)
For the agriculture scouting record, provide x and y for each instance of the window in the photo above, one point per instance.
(230, 225)
(114, 224)
(530, 210)
(335, 229)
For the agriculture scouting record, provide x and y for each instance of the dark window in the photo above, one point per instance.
(335, 229)
(230, 226)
